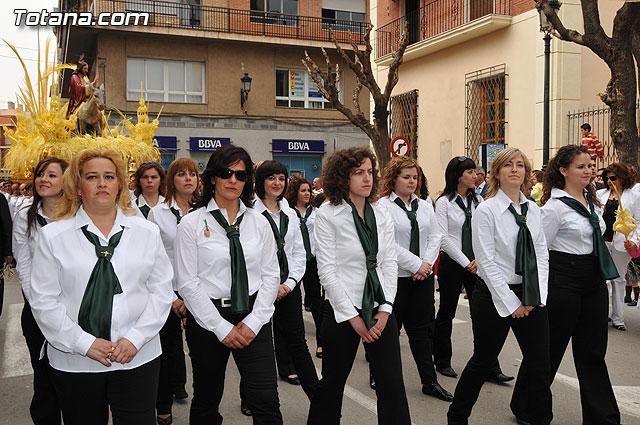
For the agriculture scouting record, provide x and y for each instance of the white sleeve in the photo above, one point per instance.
(447, 244)
(263, 307)
(324, 237)
(551, 220)
(161, 296)
(484, 249)
(51, 314)
(388, 263)
(297, 264)
(196, 300)
(21, 254)
(435, 236)
(542, 257)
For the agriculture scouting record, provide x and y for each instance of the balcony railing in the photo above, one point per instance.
(167, 14)
(436, 17)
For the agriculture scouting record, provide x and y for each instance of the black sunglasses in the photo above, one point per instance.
(612, 178)
(226, 173)
(462, 158)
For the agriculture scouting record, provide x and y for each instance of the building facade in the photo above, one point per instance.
(472, 77)
(189, 60)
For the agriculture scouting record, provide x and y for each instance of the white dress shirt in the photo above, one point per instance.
(63, 262)
(430, 235)
(631, 202)
(480, 187)
(140, 201)
(293, 245)
(203, 266)
(495, 237)
(168, 223)
(565, 229)
(311, 222)
(24, 246)
(342, 262)
(451, 218)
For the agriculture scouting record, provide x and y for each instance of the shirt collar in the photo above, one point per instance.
(212, 206)
(83, 219)
(504, 201)
(141, 201)
(260, 206)
(393, 196)
(559, 193)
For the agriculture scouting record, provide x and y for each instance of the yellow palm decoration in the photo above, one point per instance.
(624, 223)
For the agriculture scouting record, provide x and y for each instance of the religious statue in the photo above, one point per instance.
(79, 91)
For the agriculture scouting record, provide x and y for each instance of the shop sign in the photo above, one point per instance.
(207, 144)
(314, 147)
(166, 143)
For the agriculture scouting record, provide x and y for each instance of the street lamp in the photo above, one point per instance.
(244, 91)
(546, 27)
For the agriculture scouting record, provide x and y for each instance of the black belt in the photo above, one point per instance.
(226, 302)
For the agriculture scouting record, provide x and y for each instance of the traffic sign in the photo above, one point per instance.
(400, 147)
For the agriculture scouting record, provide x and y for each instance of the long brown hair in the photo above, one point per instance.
(554, 178)
(500, 160)
(392, 171)
(141, 170)
(32, 213)
(337, 172)
(180, 164)
(292, 191)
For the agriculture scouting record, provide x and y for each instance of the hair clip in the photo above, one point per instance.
(206, 229)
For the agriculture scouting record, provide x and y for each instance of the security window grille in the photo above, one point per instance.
(404, 118)
(485, 107)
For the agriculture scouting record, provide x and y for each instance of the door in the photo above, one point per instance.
(412, 14)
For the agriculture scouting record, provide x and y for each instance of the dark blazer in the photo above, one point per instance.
(483, 193)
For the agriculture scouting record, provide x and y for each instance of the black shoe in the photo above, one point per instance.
(499, 378)
(522, 421)
(307, 308)
(180, 394)
(164, 421)
(627, 300)
(372, 382)
(447, 371)
(292, 379)
(620, 327)
(435, 390)
(244, 409)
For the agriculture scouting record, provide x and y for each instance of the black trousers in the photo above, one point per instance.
(414, 309)
(87, 397)
(173, 371)
(313, 296)
(451, 278)
(290, 342)
(578, 305)
(45, 407)
(339, 351)
(531, 400)
(255, 363)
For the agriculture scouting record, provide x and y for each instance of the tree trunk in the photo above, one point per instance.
(381, 143)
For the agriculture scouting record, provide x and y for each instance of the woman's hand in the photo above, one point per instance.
(630, 246)
(235, 339)
(425, 269)
(125, 351)
(246, 332)
(472, 267)
(376, 330)
(179, 308)
(521, 312)
(361, 329)
(101, 351)
(283, 291)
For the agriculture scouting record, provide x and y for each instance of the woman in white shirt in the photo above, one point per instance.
(292, 354)
(181, 183)
(579, 264)
(457, 267)
(418, 244)
(100, 293)
(149, 187)
(513, 261)
(47, 179)
(623, 178)
(301, 199)
(356, 253)
(228, 276)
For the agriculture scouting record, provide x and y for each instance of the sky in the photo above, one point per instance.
(25, 39)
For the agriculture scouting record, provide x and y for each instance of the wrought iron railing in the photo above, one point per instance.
(436, 17)
(599, 118)
(167, 14)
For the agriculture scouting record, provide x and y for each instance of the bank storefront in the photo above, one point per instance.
(201, 149)
(301, 157)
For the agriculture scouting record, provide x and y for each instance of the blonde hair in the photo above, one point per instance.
(70, 202)
(392, 171)
(500, 160)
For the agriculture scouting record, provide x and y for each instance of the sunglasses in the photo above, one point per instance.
(462, 158)
(225, 174)
(150, 162)
(611, 178)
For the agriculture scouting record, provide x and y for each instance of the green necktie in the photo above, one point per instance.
(94, 315)
(239, 280)
(305, 231)
(41, 220)
(368, 235)
(414, 244)
(144, 209)
(279, 235)
(526, 262)
(467, 245)
(607, 267)
(177, 214)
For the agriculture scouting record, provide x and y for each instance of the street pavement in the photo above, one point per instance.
(359, 404)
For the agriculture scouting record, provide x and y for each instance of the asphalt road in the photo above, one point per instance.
(360, 401)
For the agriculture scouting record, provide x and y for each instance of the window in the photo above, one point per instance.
(341, 20)
(275, 11)
(404, 118)
(166, 81)
(486, 104)
(296, 89)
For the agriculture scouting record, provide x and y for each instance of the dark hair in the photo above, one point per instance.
(81, 64)
(319, 199)
(337, 172)
(222, 158)
(266, 169)
(294, 187)
(586, 126)
(554, 178)
(146, 166)
(32, 213)
(29, 186)
(625, 173)
(424, 186)
(455, 168)
(539, 175)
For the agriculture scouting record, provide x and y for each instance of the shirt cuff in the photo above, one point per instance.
(84, 342)
(252, 323)
(417, 263)
(511, 302)
(290, 283)
(386, 308)
(135, 338)
(222, 330)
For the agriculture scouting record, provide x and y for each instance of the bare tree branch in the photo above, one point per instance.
(392, 76)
